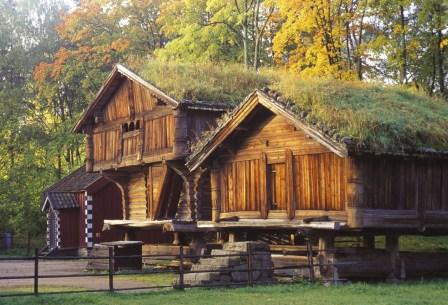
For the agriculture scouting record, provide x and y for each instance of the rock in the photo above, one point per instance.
(347, 140)
(226, 269)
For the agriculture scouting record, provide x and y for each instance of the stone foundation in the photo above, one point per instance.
(233, 269)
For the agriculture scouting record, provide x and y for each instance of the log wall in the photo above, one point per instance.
(405, 184)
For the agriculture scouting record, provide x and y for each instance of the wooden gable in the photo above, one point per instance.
(269, 168)
(266, 164)
(134, 124)
(129, 100)
(250, 108)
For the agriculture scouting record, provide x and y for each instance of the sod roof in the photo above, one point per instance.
(373, 117)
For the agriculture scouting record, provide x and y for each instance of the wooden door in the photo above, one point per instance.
(276, 187)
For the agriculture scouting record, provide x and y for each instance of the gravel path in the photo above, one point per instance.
(59, 267)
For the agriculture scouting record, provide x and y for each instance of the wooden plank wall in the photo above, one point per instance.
(405, 184)
(239, 185)
(320, 182)
(129, 93)
(80, 197)
(316, 178)
(159, 134)
(133, 103)
(154, 183)
(106, 205)
(130, 143)
(69, 229)
(200, 121)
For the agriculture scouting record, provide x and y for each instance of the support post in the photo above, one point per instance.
(309, 248)
(368, 241)
(176, 238)
(231, 237)
(111, 269)
(220, 238)
(250, 279)
(215, 192)
(181, 268)
(129, 235)
(354, 193)
(36, 271)
(326, 256)
(392, 246)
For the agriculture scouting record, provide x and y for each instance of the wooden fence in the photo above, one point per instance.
(181, 271)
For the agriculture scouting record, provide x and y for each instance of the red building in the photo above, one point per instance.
(76, 207)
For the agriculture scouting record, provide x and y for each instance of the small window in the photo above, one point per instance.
(125, 127)
(131, 126)
(137, 125)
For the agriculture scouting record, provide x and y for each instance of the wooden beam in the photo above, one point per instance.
(263, 186)
(290, 183)
(180, 132)
(354, 193)
(273, 224)
(215, 183)
(89, 149)
(131, 104)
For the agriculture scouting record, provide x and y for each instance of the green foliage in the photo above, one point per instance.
(30, 142)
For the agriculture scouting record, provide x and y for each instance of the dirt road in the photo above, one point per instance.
(59, 267)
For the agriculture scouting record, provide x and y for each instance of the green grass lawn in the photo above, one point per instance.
(160, 279)
(433, 292)
(15, 252)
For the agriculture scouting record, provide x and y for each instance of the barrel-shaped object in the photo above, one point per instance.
(7, 240)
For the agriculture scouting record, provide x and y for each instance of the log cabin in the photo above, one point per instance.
(76, 207)
(273, 168)
(137, 137)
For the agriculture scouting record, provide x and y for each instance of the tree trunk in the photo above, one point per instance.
(257, 34)
(403, 47)
(439, 50)
(245, 37)
(59, 172)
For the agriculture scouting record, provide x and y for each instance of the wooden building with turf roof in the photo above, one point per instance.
(330, 157)
(137, 137)
(268, 161)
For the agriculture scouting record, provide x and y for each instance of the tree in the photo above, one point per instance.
(26, 37)
(213, 30)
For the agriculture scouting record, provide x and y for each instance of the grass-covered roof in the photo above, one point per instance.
(379, 117)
